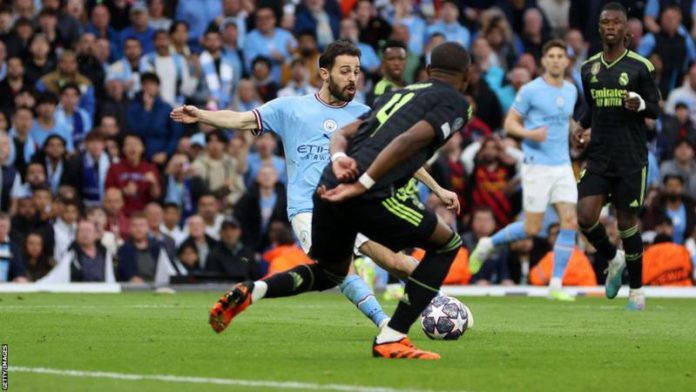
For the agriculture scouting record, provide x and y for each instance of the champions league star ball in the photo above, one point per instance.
(446, 318)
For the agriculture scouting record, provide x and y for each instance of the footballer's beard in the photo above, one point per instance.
(341, 94)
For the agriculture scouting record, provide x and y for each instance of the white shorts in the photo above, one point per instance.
(543, 185)
(302, 226)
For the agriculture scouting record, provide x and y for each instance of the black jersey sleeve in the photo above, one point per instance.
(448, 114)
(649, 92)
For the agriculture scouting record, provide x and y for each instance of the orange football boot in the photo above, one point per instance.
(402, 349)
(229, 305)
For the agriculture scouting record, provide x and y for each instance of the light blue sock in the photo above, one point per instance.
(562, 251)
(510, 233)
(357, 291)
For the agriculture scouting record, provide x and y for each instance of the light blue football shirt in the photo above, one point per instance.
(305, 125)
(542, 104)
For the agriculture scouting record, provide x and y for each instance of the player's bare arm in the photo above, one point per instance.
(514, 126)
(344, 167)
(189, 114)
(449, 198)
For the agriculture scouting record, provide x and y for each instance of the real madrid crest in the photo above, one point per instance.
(330, 125)
(623, 79)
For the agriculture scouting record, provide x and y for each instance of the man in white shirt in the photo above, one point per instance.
(172, 69)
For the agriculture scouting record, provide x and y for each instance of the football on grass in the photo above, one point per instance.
(446, 318)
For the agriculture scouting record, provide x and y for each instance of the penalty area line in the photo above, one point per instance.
(284, 385)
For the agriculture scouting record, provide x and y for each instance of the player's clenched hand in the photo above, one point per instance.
(342, 192)
(538, 135)
(345, 169)
(186, 114)
(581, 136)
(633, 101)
(449, 199)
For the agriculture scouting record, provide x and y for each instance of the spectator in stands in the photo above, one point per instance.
(230, 258)
(139, 28)
(495, 269)
(113, 110)
(127, 69)
(34, 177)
(10, 178)
(320, 17)
(502, 40)
(92, 165)
(266, 87)
(489, 109)
(308, 51)
(17, 41)
(654, 8)
(264, 203)
(298, 84)
(268, 40)
(533, 35)
(138, 178)
(89, 64)
(198, 14)
(674, 128)
(171, 69)
(372, 27)
(265, 146)
(23, 146)
(247, 97)
(179, 36)
(59, 169)
(64, 228)
(100, 26)
(490, 178)
(47, 23)
(78, 121)
(198, 238)
(148, 116)
(46, 123)
(392, 69)
(232, 49)
(449, 26)
(368, 57)
(675, 49)
(675, 205)
(448, 170)
(171, 218)
(219, 171)
(154, 216)
(686, 93)
(11, 259)
(139, 255)
(183, 187)
(284, 253)
(682, 165)
(25, 218)
(41, 59)
(37, 261)
(13, 83)
(66, 72)
(402, 13)
(209, 210)
(218, 71)
(158, 20)
(188, 257)
(89, 261)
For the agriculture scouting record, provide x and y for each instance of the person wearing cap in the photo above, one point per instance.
(230, 258)
(139, 28)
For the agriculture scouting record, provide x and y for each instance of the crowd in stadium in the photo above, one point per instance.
(97, 183)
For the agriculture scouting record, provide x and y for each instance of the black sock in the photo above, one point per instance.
(424, 284)
(299, 280)
(633, 245)
(597, 236)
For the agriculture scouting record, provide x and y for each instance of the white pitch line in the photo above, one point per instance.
(206, 380)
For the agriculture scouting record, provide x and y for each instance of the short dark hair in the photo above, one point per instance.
(69, 86)
(170, 204)
(554, 43)
(615, 6)
(54, 136)
(94, 136)
(672, 177)
(176, 24)
(392, 43)
(219, 134)
(337, 48)
(132, 39)
(137, 215)
(450, 57)
(160, 32)
(149, 77)
(47, 97)
(683, 141)
(261, 59)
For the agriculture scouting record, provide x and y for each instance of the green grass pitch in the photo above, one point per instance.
(517, 344)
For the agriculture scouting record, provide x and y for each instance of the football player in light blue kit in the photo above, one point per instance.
(305, 125)
(541, 116)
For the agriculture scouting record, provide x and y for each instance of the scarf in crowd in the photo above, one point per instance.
(220, 86)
